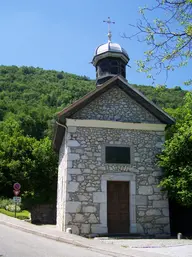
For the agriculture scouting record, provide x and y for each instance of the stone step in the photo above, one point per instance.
(115, 236)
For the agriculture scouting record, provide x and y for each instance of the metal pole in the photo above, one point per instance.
(15, 209)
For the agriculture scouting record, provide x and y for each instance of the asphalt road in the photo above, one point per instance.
(15, 243)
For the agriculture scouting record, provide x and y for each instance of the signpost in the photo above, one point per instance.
(16, 198)
(16, 193)
(17, 186)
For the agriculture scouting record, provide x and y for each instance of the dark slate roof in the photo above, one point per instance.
(162, 116)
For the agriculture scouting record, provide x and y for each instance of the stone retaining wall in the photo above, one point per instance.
(43, 214)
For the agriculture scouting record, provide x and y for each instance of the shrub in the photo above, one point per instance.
(4, 202)
(11, 207)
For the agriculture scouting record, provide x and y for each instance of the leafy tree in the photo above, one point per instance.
(182, 115)
(169, 36)
(43, 175)
(176, 156)
(177, 162)
(26, 160)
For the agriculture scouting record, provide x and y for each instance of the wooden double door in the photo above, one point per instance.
(118, 207)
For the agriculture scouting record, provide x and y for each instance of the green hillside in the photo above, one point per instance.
(34, 95)
(162, 96)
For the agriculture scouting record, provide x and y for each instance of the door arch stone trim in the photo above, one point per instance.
(129, 177)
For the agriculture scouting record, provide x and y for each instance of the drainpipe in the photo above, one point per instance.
(62, 125)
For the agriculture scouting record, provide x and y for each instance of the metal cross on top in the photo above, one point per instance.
(109, 30)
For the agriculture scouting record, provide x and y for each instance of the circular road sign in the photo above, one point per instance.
(17, 186)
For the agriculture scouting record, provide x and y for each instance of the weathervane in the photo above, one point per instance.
(109, 30)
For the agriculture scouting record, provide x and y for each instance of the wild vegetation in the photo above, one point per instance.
(8, 207)
(29, 100)
(176, 157)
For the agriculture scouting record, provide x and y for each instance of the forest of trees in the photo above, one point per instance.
(29, 100)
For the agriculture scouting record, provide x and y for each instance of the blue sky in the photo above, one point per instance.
(62, 35)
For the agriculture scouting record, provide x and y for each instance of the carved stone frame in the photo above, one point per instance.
(129, 177)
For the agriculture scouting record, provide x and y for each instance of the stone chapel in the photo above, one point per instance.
(107, 143)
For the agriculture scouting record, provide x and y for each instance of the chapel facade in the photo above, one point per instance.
(107, 143)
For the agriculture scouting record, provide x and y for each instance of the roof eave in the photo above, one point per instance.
(58, 137)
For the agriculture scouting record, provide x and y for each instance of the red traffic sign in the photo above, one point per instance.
(17, 186)
(16, 193)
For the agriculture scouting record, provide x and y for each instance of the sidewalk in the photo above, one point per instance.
(54, 234)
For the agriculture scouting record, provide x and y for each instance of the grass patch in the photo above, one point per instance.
(20, 215)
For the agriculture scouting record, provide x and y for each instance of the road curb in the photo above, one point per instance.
(65, 240)
(42, 234)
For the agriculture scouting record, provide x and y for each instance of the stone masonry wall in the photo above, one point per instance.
(82, 170)
(116, 105)
(86, 166)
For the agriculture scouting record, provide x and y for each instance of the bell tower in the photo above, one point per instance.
(110, 59)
